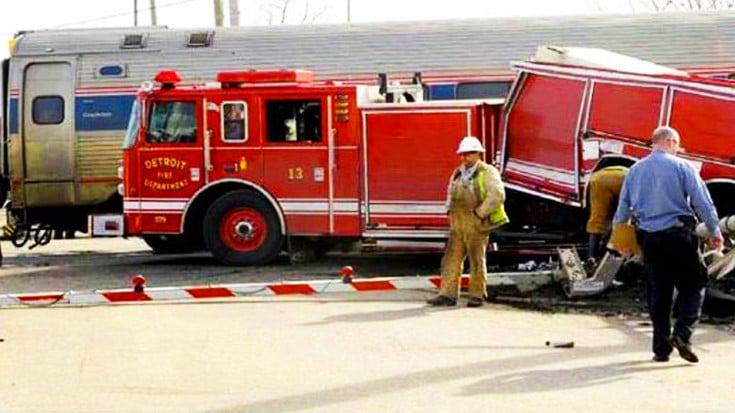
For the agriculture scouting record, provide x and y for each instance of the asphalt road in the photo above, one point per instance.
(334, 352)
(360, 352)
(89, 264)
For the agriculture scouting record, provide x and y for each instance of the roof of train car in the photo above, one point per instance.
(461, 46)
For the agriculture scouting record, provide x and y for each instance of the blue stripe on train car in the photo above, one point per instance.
(13, 116)
(442, 91)
(95, 113)
(92, 113)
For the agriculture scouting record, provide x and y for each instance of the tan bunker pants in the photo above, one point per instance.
(466, 239)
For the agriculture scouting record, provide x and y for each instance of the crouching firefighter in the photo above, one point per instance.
(475, 200)
(604, 190)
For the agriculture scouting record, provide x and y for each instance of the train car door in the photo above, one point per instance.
(48, 133)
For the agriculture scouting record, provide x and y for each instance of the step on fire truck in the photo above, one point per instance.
(261, 160)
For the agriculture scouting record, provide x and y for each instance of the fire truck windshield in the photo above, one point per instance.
(172, 122)
(132, 133)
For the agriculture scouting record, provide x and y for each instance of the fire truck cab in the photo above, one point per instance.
(247, 166)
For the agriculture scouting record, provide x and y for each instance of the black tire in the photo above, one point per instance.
(169, 244)
(242, 228)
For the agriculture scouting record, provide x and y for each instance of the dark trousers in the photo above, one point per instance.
(672, 260)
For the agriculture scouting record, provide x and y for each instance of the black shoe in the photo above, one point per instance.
(660, 358)
(441, 301)
(684, 349)
(474, 302)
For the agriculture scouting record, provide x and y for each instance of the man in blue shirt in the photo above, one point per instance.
(661, 195)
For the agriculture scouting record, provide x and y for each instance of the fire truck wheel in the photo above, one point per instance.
(241, 228)
(168, 244)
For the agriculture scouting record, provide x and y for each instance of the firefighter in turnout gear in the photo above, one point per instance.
(604, 190)
(475, 205)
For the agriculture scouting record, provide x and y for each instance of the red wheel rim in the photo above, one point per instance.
(243, 229)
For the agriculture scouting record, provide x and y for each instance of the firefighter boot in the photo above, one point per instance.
(441, 301)
(593, 247)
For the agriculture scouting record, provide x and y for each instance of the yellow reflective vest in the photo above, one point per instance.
(497, 215)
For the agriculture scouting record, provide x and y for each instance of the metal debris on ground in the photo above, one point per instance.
(560, 344)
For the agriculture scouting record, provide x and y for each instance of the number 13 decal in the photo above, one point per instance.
(295, 174)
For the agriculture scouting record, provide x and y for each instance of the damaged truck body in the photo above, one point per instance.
(572, 111)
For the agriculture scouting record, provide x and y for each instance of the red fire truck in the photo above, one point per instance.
(247, 166)
(262, 161)
(564, 120)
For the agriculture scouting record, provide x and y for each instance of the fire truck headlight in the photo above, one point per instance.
(121, 189)
(120, 171)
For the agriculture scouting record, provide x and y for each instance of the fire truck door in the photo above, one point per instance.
(172, 161)
(542, 141)
(297, 157)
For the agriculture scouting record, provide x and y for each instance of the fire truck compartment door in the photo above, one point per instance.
(48, 133)
(296, 161)
(541, 141)
(410, 155)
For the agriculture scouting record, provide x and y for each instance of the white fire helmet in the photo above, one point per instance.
(470, 144)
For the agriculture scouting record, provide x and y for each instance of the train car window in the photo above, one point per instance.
(48, 110)
(482, 90)
(112, 71)
(294, 120)
(172, 122)
(234, 122)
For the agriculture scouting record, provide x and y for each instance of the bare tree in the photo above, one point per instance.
(662, 5)
(277, 11)
(671, 5)
(314, 16)
(285, 11)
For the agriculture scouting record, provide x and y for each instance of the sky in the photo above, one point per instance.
(46, 14)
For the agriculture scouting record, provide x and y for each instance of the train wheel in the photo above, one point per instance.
(169, 244)
(241, 228)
